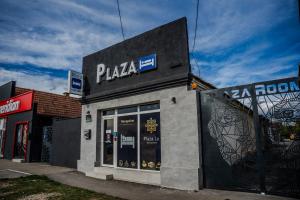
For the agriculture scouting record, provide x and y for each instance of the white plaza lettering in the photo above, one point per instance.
(124, 69)
(132, 69)
(100, 72)
(118, 71)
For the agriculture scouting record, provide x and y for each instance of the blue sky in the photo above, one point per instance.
(238, 41)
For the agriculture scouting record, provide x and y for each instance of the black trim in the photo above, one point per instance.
(181, 81)
(201, 142)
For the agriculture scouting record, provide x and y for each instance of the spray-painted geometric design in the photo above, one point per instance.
(233, 130)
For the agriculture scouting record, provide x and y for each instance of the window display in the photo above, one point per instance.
(150, 141)
(127, 141)
(131, 137)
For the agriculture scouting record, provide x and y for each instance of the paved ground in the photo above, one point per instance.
(122, 189)
(8, 173)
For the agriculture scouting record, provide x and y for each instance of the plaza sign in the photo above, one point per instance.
(145, 63)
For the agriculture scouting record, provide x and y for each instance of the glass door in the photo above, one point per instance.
(2, 136)
(108, 141)
(21, 136)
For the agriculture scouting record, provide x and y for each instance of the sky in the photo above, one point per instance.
(237, 42)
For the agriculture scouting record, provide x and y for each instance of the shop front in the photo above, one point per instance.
(24, 115)
(19, 137)
(140, 116)
(137, 131)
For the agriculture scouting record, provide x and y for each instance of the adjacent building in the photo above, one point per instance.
(26, 117)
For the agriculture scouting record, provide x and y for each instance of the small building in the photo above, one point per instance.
(26, 117)
(140, 115)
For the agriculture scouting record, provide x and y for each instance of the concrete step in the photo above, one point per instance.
(98, 175)
(18, 160)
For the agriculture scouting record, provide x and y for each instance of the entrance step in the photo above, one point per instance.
(99, 175)
(18, 160)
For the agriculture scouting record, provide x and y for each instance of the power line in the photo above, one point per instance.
(120, 20)
(195, 37)
(196, 25)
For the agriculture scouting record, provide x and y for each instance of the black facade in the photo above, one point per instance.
(11, 122)
(167, 42)
(66, 142)
(35, 130)
(7, 90)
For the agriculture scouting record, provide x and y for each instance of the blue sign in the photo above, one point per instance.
(147, 63)
(76, 83)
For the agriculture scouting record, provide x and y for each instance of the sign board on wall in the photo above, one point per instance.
(146, 63)
(16, 104)
(75, 82)
(156, 59)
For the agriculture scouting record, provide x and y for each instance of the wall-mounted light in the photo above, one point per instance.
(194, 85)
(87, 134)
(88, 116)
(173, 99)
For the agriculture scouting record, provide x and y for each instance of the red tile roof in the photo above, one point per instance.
(54, 104)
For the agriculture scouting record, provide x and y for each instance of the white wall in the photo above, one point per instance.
(179, 135)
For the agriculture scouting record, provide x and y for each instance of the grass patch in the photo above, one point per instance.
(40, 187)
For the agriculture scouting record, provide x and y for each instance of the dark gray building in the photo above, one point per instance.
(140, 116)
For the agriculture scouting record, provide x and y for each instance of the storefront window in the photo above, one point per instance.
(150, 141)
(131, 137)
(127, 110)
(127, 141)
(149, 107)
(108, 112)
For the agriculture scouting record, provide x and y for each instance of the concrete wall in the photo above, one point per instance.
(179, 136)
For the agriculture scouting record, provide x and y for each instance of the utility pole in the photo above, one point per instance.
(299, 9)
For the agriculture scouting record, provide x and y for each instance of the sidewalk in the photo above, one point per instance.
(122, 189)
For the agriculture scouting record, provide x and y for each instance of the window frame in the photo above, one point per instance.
(115, 118)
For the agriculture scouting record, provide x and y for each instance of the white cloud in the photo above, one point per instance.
(224, 24)
(245, 69)
(37, 82)
(57, 34)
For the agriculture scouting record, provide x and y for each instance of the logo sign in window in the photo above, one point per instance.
(75, 82)
(147, 63)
